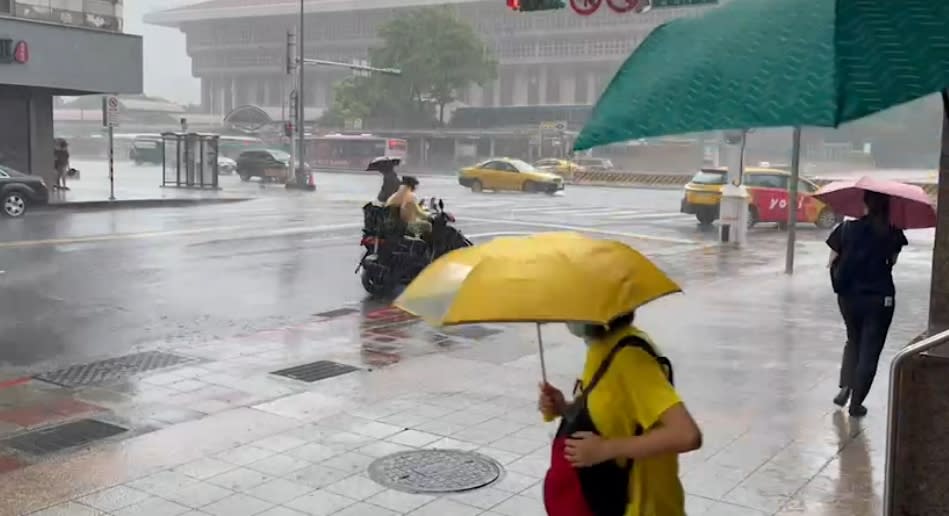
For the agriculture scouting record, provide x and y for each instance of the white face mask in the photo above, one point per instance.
(584, 331)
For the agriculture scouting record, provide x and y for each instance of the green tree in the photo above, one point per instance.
(438, 54)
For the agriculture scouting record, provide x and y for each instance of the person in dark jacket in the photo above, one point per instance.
(390, 180)
(61, 163)
(863, 253)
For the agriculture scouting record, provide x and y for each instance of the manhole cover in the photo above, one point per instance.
(113, 369)
(70, 435)
(314, 371)
(434, 471)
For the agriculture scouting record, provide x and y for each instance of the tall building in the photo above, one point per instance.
(57, 47)
(237, 48)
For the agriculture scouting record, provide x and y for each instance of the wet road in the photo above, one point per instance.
(90, 284)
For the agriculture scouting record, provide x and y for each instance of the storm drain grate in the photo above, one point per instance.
(339, 312)
(316, 371)
(113, 369)
(434, 471)
(70, 435)
(473, 332)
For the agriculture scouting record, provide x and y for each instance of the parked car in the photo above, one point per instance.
(562, 167)
(595, 164)
(226, 165)
(146, 149)
(509, 174)
(267, 164)
(19, 191)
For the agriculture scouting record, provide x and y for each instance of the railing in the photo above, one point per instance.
(896, 369)
(94, 14)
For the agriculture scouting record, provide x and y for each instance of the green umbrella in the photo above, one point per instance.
(769, 63)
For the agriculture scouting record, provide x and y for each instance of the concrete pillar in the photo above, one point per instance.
(41, 135)
(232, 101)
(266, 91)
(542, 86)
(568, 88)
(939, 287)
(591, 87)
(206, 93)
(521, 83)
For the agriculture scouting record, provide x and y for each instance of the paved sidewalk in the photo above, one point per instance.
(755, 355)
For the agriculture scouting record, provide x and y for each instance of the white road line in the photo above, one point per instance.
(642, 216)
(582, 229)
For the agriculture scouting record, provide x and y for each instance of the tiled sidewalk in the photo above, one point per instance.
(222, 436)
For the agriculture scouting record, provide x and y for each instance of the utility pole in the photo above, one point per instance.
(301, 101)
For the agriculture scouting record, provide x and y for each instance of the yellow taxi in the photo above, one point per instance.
(768, 197)
(509, 174)
(562, 167)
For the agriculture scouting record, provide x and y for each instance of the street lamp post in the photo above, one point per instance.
(298, 114)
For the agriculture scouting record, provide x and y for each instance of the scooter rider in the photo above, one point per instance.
(390, 180)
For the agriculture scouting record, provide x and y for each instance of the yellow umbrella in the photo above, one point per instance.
(548, 277)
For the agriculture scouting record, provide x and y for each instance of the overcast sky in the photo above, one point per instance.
(167, 65)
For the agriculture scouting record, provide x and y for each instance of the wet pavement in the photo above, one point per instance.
(197, 308)
(223, 435)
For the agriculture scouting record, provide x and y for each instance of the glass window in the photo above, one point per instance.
(805, 186)
(709, 177)
(766, 181)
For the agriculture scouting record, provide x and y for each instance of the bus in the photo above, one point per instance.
(351, 151)
(233, 146)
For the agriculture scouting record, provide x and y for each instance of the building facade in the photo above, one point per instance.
(57, 47)
(237, 48)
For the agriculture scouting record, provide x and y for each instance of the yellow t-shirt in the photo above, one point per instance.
(635, 391)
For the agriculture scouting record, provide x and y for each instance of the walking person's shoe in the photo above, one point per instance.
(857, 410)
(842, 397)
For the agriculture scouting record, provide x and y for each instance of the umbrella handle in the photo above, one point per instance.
(543, 368)
(540, 348)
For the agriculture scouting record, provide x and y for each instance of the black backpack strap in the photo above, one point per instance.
(664, 362)
(631, 341)
(601, 370)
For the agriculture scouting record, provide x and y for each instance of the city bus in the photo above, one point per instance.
(351, 151)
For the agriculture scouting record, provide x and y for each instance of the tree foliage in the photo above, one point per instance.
(439, 56)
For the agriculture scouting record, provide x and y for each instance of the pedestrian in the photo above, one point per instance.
(617, 446)
(61, 163)
(863, 253)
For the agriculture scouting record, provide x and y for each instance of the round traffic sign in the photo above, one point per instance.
(113, 102)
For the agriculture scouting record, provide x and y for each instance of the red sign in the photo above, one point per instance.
(21, 52)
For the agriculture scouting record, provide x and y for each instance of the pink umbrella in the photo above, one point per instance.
(910, 206)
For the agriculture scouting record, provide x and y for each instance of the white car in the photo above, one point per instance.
(226, 165)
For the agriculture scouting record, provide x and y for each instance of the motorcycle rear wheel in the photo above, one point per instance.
(373, 284)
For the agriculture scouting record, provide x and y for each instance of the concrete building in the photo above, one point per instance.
(548, 58)
(57, 47)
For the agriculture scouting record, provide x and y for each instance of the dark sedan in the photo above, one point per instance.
(18, 191)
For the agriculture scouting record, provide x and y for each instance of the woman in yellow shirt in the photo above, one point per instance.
(616, 450)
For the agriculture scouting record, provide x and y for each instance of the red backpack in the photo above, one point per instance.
(601, 489)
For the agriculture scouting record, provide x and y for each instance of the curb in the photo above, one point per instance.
(135, 203)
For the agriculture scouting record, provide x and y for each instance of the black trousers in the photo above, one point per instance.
(868, 321)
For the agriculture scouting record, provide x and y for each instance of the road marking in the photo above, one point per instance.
(581, 229)
(181, 232)
(642, 216)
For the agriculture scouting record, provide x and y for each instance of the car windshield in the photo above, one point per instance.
(523, 166)
(279, 155)
(709, 177)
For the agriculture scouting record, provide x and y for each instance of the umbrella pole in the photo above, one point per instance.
(792, 200)
(540, 347)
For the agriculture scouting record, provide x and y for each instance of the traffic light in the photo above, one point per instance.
(288, 129)
(525, 6)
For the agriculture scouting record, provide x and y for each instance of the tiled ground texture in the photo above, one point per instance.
(755, 352)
